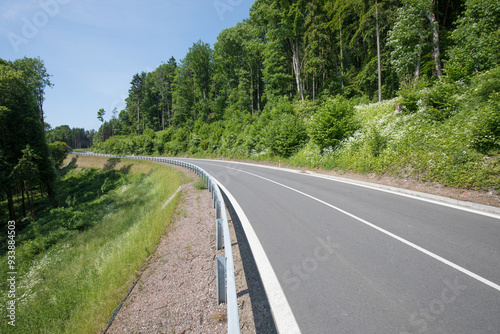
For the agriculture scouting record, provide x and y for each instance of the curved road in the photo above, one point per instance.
(356, 259)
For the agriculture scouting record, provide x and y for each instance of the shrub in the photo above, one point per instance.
(59, 151)
(440, 102)
(486, 84)
(332, 122)
(487, 130)
(304, 109)
(410, 93)
(376, 142)
(286, 134)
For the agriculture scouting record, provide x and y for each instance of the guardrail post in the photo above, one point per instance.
(217, 210)
(221, 279)
(219, 229)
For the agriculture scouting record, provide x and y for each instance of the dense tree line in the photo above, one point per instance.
(26, 165)
(72, 137)
(309, 50)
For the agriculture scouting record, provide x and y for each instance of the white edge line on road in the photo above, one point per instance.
(485, 210)
(390, 234)
(283, 316)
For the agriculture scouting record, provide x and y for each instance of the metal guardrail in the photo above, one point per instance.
(226, 285)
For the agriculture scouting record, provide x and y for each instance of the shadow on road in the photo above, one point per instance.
(263, 318)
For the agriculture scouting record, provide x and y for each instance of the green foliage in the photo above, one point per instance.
(407, 38)
(25, 156)
(487, 129)
(73, 137)
(59, 151)
(436, 101)
(410, 93)
(286, 134)
(486, 83)
(304, 110)
(332, 122)
(441, 101)
(100, 114)
(477, 39)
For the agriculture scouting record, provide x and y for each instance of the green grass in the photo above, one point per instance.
(74, 285)
(82, 149)
(200, 185)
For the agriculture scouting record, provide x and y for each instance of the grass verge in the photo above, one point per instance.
(73, 285)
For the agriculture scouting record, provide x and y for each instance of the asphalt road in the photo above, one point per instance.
(351, 259)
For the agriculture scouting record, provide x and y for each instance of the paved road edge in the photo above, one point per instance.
(282, 313)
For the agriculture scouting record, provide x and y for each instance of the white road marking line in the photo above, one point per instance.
(392, 235)
(283, 316)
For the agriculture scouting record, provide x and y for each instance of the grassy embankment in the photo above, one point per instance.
(409, 145)
(76, 263)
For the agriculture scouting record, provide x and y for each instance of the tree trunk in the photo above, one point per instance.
(341, 57)
(251, 86)
(378, 54)
(314, 84)
(43, 120)
(435, 43)
(296, 67)
(169, 117)
(29, 194)
(417, 67)
(138, 119)
(258, 86)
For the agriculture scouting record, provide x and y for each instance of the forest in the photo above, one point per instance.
(27, 161)
(364, 85)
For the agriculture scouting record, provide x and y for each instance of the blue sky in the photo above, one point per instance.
(92, 48)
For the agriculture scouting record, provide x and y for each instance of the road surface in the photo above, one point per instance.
(355, 259)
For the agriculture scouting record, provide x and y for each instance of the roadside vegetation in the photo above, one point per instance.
(446, 132)
(75, 263)
(406, 88)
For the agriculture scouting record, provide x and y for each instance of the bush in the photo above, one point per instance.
(304, 109)
(486, 84)
(286, 134)
(376, 142)
(410, 93)
(59, 151)
(440, 102)
(487, 130)
(332, 122)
